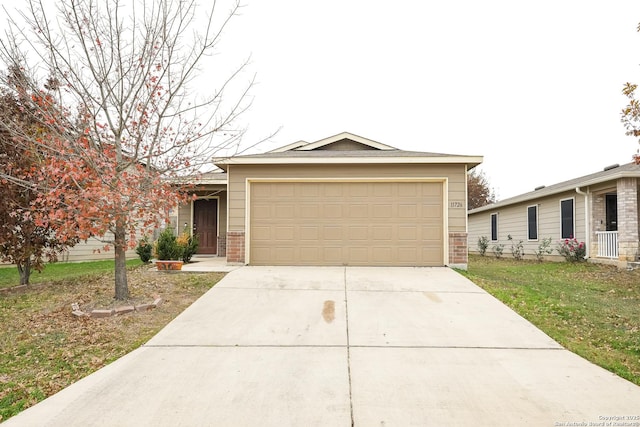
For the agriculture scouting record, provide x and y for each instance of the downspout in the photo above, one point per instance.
(586, 222)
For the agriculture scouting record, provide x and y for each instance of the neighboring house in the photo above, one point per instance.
(600, 209)
(343, 200)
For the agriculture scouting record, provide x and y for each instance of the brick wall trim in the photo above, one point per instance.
(235, 247)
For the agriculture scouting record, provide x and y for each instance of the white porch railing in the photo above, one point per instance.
(607, 244)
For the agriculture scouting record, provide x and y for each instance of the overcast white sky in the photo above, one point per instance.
(534, 87)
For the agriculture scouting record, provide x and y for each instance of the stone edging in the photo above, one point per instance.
(114, 311)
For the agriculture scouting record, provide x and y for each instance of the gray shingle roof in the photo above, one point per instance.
(344, 153)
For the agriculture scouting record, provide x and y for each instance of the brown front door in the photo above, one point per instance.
(205, 225)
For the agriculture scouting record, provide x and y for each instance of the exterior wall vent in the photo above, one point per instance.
(539, 188)
(608, 168)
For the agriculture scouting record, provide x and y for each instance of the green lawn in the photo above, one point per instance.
(592, 310)
(60, 270)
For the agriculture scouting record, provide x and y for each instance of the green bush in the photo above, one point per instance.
(167, 247)
(517, 250)
(483, 244)
(144, 249)
(572, 250)
(188, 243)
(544, 248)
(497, 251)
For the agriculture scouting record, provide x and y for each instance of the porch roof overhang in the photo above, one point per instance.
(206, 179)
(629, 170)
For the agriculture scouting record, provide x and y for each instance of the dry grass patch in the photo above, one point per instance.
(44, 348)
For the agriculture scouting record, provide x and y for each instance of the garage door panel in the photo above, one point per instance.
(309, 210)
(382, 189)
(430, 211)
(346, 223)
(407, 211)
(359, 232)
(332, 191)
(261, 233)
(285, 233)
(308, 255)
(382, 211)
(332, 232)
(357, 255)
(332, 211)
(262, 212)
(431, 233)
(309, 232)
(357, 211)
(334, 255)
(381, 254)
(284, 211)
(407, 232)
(382, 233)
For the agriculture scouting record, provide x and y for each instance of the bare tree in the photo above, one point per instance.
(127, 114)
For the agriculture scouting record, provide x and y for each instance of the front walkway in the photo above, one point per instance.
(343, 346)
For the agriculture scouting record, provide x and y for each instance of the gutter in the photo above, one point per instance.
(586, 222)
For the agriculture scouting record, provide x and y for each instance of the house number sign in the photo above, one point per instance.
(456, 205)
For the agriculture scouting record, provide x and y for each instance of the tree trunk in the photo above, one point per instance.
(24, 268)
(120, 248)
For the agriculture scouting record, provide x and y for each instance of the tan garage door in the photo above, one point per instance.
(346, 223)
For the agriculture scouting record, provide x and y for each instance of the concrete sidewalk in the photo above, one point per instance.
(335, 346)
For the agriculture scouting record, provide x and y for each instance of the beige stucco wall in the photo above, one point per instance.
(513, 220)
(455, 174)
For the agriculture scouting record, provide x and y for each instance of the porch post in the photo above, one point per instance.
(627, 220)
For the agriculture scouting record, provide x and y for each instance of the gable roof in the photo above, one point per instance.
(326, 151)
(629, 170)
(307, 146)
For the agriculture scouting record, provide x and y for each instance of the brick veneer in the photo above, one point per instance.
(627, 219)
(222, 245)
(458, 251)
(235, 246)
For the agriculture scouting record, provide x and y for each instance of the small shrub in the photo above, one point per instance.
(188, 243)
(483, 244)
(167, 247)
(516, 248)
(497, 251)
(572, 250)
(544, 248)
(144, 249)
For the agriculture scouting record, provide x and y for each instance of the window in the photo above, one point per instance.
(532, 222)
(566, 219)
(494, 227)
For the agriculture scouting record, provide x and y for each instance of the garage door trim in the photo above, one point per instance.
(443, 180)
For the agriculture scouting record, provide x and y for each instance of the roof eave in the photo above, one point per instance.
(470, 161)
(545, 192)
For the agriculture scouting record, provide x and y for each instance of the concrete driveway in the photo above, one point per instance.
(335, 346)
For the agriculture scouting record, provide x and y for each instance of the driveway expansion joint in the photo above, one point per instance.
(346, 311)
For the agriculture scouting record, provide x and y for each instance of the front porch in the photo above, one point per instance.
(614, 223)
(607, 244)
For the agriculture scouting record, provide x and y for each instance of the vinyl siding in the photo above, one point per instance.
(455, 173)
(92, 250)
(513, 220)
